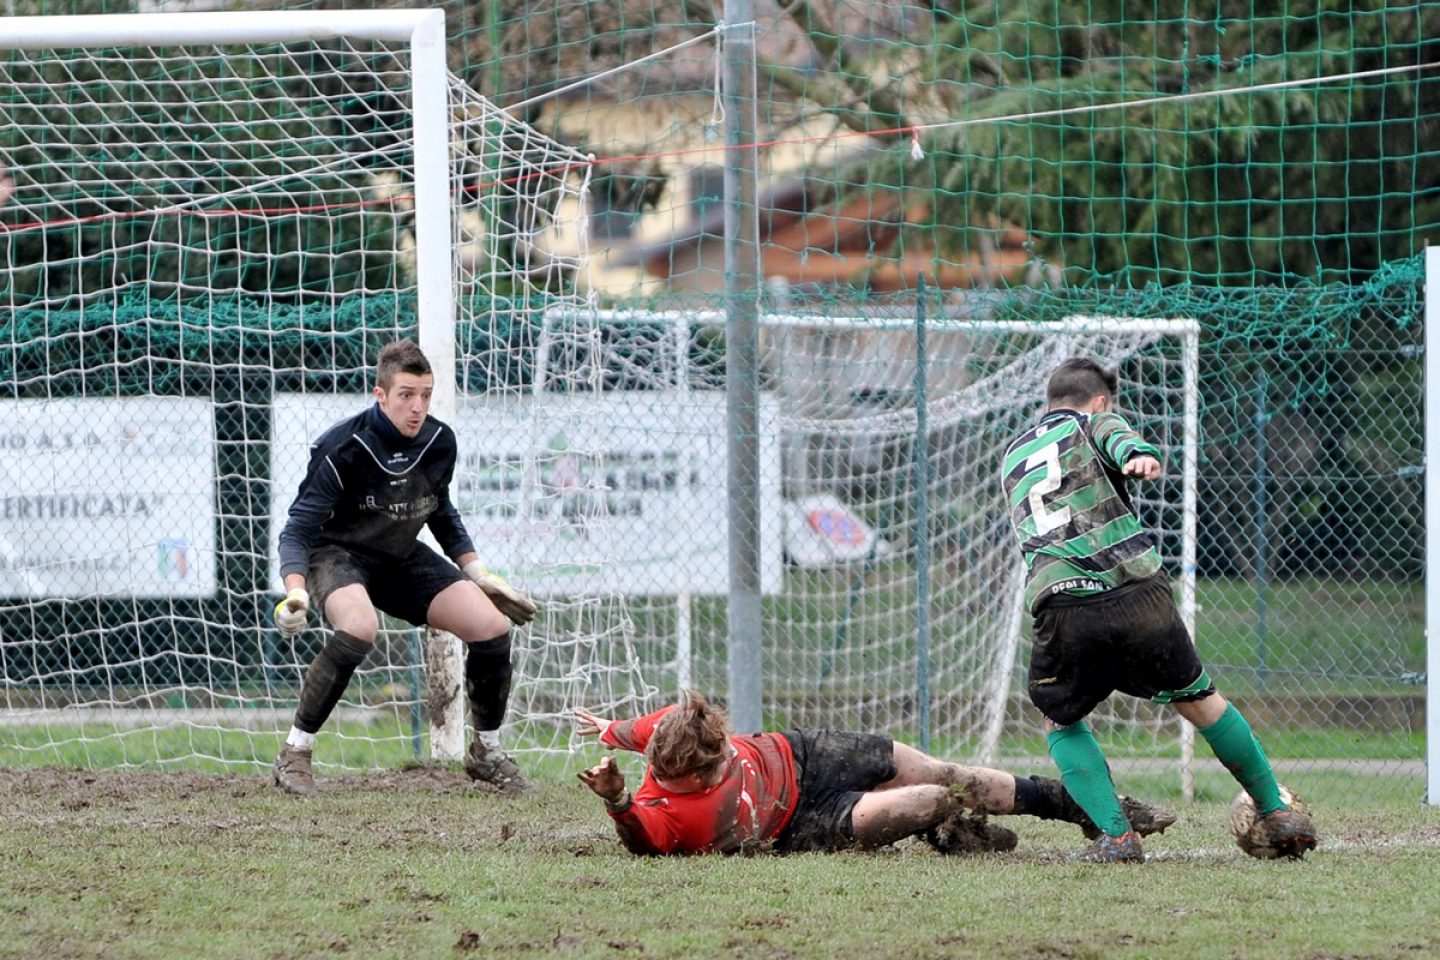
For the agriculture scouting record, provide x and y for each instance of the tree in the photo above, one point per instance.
(1318, 183)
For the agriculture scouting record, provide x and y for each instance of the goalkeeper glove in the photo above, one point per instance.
(291, 613)
(509, 601)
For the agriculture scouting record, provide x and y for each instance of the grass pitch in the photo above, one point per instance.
(416, 864)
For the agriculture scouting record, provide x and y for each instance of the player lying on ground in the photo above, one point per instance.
(373, 482)
(708, 791)
(1104, 618)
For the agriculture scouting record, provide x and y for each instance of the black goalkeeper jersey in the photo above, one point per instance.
(370, 489)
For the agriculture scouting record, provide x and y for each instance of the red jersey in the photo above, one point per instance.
(750, 805)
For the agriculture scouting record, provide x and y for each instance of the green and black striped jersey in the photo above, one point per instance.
(1070, 508)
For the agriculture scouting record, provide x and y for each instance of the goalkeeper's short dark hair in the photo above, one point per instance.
(402, 356)
(1077, 380)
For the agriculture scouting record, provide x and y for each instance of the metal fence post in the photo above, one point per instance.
(742, 381)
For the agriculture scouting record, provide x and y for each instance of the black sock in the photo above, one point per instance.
(327, 678)
(1027, 797)
(487, 681)
(1049, 800)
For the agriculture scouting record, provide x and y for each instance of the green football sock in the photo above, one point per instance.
(1086, 777)
(1235, 746)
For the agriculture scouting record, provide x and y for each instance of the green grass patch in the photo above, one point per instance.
(829, 634)
(1312, 635)
(385, 744)
(203, 749)
(139, 865)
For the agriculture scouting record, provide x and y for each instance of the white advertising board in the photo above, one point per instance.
(107, 497)
(621, 492)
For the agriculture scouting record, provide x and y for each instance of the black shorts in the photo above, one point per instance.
(1130, 639)
(401, 588)
(832, 770)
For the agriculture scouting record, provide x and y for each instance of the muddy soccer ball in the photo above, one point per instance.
(1249, 832)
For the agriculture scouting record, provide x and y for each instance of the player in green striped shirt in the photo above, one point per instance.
(1104, 618)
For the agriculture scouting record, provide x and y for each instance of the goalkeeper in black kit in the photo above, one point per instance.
(349, 548)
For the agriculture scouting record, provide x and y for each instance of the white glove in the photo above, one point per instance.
(509, 601)
(292, 612)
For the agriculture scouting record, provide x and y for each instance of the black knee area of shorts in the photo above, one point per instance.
(327, 678)
(488, 673)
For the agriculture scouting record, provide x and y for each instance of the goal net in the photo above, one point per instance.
(891, 579)
(902, 610)
(211, 224)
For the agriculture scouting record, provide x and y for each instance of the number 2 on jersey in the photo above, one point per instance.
(1045, 518)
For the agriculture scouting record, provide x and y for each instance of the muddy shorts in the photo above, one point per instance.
(1130, 639)
(401, 588)
(832, 770)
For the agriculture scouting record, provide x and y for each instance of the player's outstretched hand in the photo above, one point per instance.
(589, 725)
(519, 608)
(292, 613)
(604, 780)
(1142, 468)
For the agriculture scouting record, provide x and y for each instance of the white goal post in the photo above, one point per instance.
(1432, 524)
(217, 220)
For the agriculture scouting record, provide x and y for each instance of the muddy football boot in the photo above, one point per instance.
(1107, 849)
(496, 769)
(1288, 833)
(1000, 839)
(1144, 818)
(965, 832)
(292, 771)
